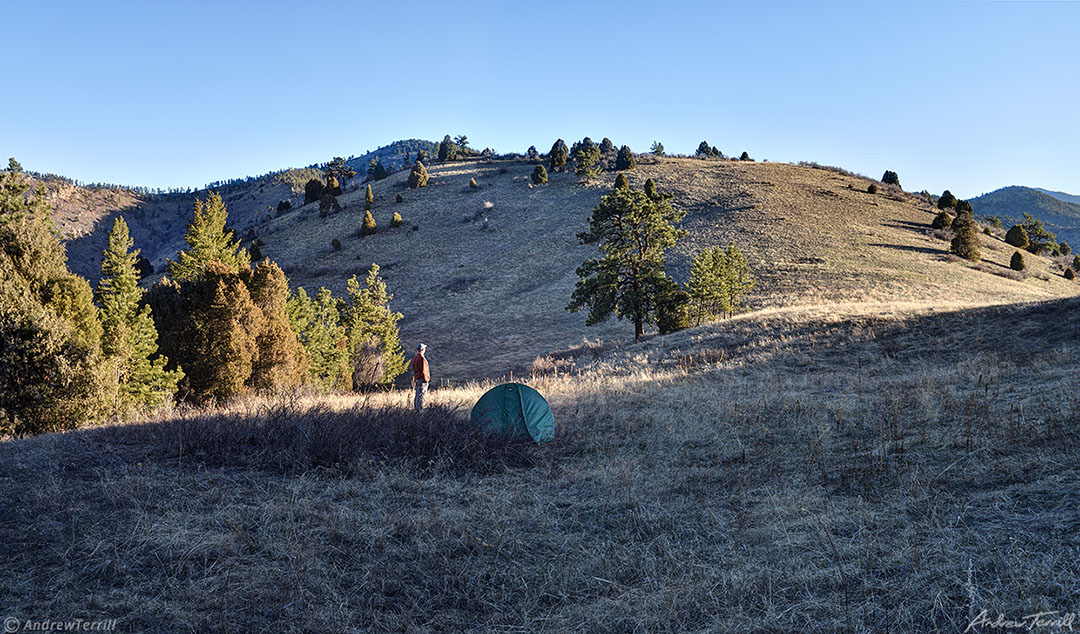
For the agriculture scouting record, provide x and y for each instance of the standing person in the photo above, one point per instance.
(421, 377)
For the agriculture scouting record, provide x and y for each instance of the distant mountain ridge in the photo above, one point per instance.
(1011, 203)
(1069, 198)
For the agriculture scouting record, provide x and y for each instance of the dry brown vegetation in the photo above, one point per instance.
(886, 443)
(793, 470)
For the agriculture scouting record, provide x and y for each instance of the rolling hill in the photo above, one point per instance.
(486, 275)
(1010, 203)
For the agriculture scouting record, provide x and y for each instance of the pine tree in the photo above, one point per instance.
(280, 361)
(557, 156)
(585, 158)
(606, 146)
(947, 200)
(745, 156)
(966, 242)
(208, 241)
(447, 149)
(632, 232)
(539, 175)
(419, 176)
(942, 221)
(338, 173)
(50, 362)
(532, 155)
(719, 278)
(369, 227)
(890, 178)
(650, 190)
(624, 159)
(317, 324)
(369, 199)
(369, 323)
(703, 149)
(657, 148)
(1065, 248)
(130, 339)
(376, 171)
(621, 182)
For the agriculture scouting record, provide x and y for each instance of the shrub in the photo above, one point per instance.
(963, 206)
(369, 199)
(396, 220)
(369, 226)
(1065, 248)
(473, 184)
(1017, 262)
(650, 190)
(328, 204)
(313, 191)
(283, 206)
(947, 200)
(532, 154)
(1070, 274)
(621, 182)
(416, 227)
(336, 243)
(1017, 237)
(539, 175)
(745, 157)
(399, 199)
(942, 221)
(419, 176)
(966, 242)
(624, 159)
(890, 178)
(1076, 262)
(871, 189)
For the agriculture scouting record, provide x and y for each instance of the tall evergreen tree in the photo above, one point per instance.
(208, 240)
(947, 200)
(632, 232)
(369, 323)
(369, 198)
(624, 159)
(280, 361)
(317, 324)
(657, 148)
(338, 172)
(557, 156)
(586, 156)
(130, 339)
(447, 149)
(50, 358)
(606, 146)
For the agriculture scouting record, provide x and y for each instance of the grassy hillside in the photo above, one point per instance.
(806, 469)
(485, 279)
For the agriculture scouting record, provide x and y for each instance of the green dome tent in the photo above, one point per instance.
(515, 410)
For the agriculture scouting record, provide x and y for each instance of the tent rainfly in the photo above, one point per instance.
(516, 411)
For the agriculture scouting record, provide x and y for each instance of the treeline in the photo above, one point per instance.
(218, 326)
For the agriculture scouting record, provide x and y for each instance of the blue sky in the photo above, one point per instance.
(969, 96)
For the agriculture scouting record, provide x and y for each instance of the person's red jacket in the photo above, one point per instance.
(420, 369)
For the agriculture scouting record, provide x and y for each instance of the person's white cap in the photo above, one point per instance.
(421, 346)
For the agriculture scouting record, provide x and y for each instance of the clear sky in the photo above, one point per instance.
(969, 96)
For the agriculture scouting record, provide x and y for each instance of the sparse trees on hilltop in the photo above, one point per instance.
(606, 146)
(625, 160)
(586, 156)
(745, 156)
(657, 148)
(339, 173)
(376, 171)
(890, 178)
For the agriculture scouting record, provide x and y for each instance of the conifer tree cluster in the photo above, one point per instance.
(624, 159)
(586, 155)
(719, 278)
(557, 156)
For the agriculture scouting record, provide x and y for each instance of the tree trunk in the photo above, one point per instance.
(639, 328)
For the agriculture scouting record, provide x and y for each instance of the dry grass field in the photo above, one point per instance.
(788, 470)
(886, 442)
